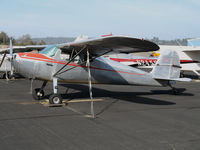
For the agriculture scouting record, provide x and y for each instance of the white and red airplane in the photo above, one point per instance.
(189, 58)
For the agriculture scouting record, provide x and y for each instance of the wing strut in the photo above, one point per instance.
(91, 59)
(79, 64)
(69, 61)
(90, 85)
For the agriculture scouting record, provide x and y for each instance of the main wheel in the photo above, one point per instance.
(55, 99)
(2, 75)
(9, 76)
(37, 94)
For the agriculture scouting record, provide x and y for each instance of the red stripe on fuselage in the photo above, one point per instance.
(41, 57)
(145, 60)
(133, 60)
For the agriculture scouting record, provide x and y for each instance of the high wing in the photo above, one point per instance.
(116, 44)
(26, 48)
(193, 53)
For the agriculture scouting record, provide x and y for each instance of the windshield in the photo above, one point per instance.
(49, 51)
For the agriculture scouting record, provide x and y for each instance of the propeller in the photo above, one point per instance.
(2, 60)
(10, 59)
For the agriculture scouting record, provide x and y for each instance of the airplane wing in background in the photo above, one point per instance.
(26, 48)
(116, 44)
(193, 53)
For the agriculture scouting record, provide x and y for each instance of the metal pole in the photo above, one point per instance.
(90, 85)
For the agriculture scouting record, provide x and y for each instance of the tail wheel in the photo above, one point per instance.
(175, 91)
(37, 94)
(181, 75)
(55, 99)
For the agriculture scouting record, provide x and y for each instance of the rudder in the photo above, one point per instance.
(168, 67)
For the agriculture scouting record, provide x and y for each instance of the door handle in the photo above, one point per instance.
(49, 64)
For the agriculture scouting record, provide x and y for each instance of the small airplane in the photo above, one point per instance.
(82, 61)
(5, 67)
(189, 58)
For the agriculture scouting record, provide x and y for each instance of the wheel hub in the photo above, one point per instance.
(56, 100)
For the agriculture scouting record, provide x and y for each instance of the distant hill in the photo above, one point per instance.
(58, 40)
(54, 40)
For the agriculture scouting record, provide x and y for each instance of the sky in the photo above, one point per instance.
(166, 19)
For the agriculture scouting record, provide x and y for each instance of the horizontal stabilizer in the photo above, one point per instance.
(193, 54)
(176, 79)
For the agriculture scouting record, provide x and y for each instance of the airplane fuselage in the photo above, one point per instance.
(103, 71)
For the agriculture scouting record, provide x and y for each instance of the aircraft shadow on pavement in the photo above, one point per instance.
(81, 91)
(154, 92)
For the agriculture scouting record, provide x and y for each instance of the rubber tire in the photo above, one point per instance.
(35, 94)
(1, 75)
(56, 97)
(4, 76)
(182, 75)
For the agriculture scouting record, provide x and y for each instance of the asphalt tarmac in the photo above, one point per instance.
(126, 118)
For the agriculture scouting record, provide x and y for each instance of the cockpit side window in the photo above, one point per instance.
(49, 51)
(68, 56)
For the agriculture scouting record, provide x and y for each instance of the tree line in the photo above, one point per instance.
(180, 42)
(23, 40)
(27, 40)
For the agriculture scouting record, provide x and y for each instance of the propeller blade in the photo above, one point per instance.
(11, 57)
(11, 48)
(2, 60)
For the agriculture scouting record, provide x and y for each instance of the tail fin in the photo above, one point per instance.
(193, 42)
(168, 67)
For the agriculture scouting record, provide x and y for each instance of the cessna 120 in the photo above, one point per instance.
(84, 63)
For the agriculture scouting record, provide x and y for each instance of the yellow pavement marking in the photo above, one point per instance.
(85, 100)
(65, 102)
(28, 103)
(88, 116)
(196, 80)
(74, 101)
(44, 102)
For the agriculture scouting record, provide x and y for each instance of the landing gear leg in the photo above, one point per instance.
(55, 98)
(38, 93)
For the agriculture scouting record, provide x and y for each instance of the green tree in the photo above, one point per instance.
(4, 39)
(41, 43)
(25, 40)
(155, 40)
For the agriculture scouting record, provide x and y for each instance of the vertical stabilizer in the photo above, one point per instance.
(168, 67)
